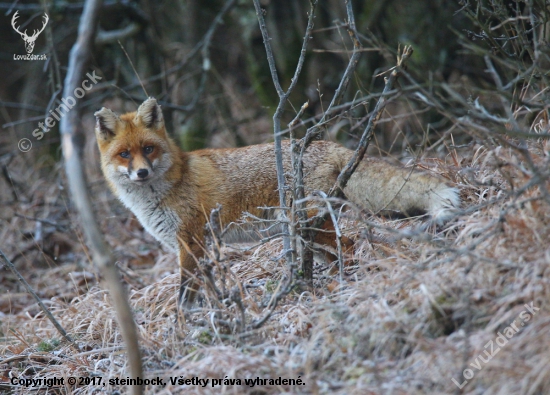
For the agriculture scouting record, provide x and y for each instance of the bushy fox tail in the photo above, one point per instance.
(386, 189)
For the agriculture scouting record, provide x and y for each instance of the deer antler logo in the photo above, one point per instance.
(29, 40)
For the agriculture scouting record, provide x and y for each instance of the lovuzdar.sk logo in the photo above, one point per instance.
(29, 40)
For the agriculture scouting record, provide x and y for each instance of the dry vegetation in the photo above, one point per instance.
(416, 306)
(413, 312)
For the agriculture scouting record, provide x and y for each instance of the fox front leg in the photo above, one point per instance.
(189, 286)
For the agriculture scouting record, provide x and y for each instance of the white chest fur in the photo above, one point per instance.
(146, 202)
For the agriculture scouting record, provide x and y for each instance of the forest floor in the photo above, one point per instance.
(461, 309)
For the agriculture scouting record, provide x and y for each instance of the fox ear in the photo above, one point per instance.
(150, 114)
(106, 123)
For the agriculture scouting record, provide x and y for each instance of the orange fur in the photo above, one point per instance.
(170, 191)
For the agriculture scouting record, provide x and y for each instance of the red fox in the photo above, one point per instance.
(170, 190)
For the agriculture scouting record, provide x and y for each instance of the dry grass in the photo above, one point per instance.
(414, 311)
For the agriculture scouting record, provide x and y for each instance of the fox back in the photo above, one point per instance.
(171, 192)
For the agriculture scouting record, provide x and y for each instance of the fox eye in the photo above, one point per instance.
(147, 150)
(125, 154)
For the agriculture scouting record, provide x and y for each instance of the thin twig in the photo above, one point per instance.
(349, 169)
(203, 46)
(133, 68)
(283, 98)
(44, 221)
(344, 82)
(312, 133)
(205, 52)
(338, 233)
(112, 36)
(44, 309)
(290, 253)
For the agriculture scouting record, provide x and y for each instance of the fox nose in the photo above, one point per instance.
(142, 173)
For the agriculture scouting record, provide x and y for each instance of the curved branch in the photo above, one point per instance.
(69, 126)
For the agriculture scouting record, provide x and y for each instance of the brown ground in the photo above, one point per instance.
(415, 311)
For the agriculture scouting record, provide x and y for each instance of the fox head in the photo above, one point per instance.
(135, 149)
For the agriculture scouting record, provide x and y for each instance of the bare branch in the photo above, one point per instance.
(283, 98)
(69, 125)
(112, 36)
(299, 149)
(44, 309)
(359, 153)
(344, 82)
